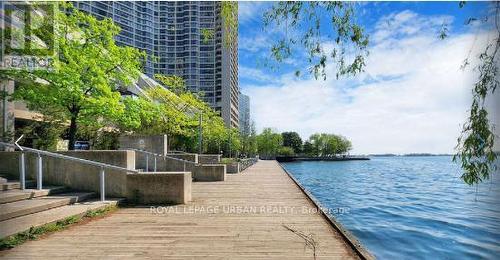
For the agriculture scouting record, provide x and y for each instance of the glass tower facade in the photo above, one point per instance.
(244, 117)
(171, 33)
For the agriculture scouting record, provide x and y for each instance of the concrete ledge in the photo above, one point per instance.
(233, 167)
(237, 167)
(192, 157)
(74, 175)
(151, 143)
(209, 158)
(209, 172)
(159, 187)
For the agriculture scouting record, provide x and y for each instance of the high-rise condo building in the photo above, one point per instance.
(244, 117)
(174, 35)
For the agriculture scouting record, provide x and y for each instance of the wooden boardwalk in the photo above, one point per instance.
(244, 217)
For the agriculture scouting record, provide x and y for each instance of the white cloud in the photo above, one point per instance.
(250, 11)
(254, 74)
(255, 44)
(407, 23)
(415, 100)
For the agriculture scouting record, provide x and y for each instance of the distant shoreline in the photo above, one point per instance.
(409, 155)
(320, 158)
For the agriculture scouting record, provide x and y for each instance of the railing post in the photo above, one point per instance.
(22, 171)
(147, 162)
(101, 184)
(184, 165)
(39, 172)
(155, 163)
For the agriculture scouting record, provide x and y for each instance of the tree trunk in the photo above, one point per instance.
(72, 132)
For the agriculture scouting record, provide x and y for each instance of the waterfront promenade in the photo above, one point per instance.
(251, 215)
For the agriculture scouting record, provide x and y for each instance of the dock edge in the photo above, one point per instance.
(352, 241)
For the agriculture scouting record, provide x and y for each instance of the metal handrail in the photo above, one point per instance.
(177, 152)
(22, 165)
(155, 155)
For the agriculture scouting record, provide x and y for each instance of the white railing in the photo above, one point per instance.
(39, 166)
(156, 156)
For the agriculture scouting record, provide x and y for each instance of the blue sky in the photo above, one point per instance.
(411, 98)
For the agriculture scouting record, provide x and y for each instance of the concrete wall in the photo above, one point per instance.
(233, 167)
(159, 188)
(9, 165)
(145, 188)
(156, 144)
(209, 172)
(209, 158)
(193, 157)
(72, 174)
(240, 166)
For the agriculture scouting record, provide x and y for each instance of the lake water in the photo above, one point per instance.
(409, 207)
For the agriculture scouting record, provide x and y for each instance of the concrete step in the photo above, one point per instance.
(25, 207)
(23, 223)
(16, 194)
(11, 185)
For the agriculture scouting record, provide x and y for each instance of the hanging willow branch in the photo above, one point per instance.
(303, 19)
(475, 144)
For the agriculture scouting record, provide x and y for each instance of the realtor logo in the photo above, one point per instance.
(27, 35)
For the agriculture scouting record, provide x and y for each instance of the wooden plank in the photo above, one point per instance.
(241, 218)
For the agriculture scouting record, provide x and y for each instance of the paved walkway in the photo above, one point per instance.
(245, 217)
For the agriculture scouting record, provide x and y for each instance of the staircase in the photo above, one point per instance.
(22, 209)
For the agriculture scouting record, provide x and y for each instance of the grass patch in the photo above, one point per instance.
(35, 232)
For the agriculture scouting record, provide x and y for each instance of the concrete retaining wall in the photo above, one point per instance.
(209, 172)
(192, 157)
(233, 167)
(159, 187)
(156, 144)
(209, 158)
(237, 167)
(144, 188)
(72, 174)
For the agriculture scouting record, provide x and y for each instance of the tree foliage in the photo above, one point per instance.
(304, 20)
(269, 143)
(174, 83)
(475, 144)
(292, 140)
(81, 85)
(249, 146)
(328, 144)
(177, 113)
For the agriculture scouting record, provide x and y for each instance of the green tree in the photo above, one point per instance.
(268, 143)
(174, 83)
(249, 142)
(292, 140)
(322, 144)
(286, 151)
(308, 148)
(82, 81)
